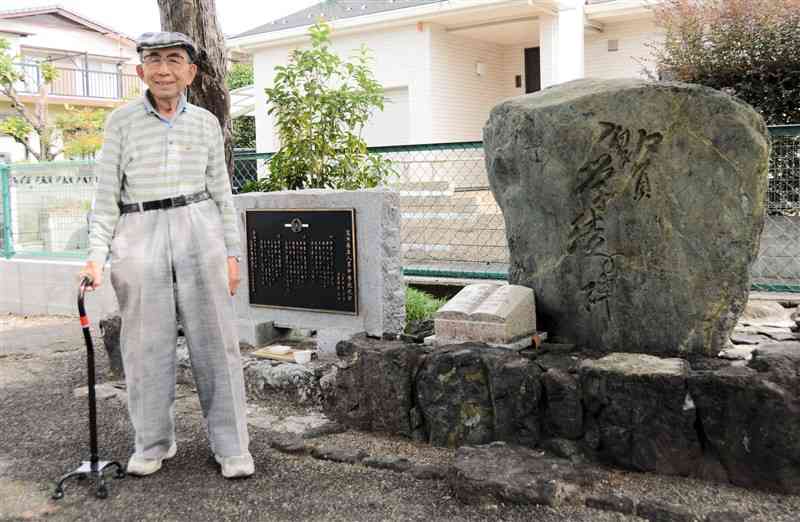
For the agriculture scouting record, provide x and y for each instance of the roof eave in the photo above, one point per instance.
(105, 31)
(620, 8)
(15, 31)
(367, 22)
(430, 13)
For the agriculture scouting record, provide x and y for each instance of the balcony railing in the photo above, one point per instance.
(84, 83)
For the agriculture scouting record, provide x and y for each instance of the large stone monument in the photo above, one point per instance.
(633, 209)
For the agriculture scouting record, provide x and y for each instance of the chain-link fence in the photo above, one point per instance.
(451, 225)
(777, 267)
(46, 207)
(247, 164)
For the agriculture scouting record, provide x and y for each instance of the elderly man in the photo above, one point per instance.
(165, 212)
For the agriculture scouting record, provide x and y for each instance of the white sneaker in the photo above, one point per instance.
(235, 467)
(141, 466)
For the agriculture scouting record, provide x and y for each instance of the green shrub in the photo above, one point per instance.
(320, 104)
(421, 305)
(747, 48)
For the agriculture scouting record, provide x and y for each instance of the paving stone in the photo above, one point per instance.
(287, 443)
(655, 511)
(618, 503)
(390, 462)
(725, 516)
(430, 472)
(346, 456)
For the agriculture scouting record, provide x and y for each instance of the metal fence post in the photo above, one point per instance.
(5, 189)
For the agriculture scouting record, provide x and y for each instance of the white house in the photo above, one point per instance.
(96, 64)
(446, 63)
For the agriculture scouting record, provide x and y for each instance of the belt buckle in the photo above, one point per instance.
(177, 201)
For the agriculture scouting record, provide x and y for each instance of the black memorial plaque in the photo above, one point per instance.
(303, 259)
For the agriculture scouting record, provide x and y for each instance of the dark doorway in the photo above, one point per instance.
(533, 74)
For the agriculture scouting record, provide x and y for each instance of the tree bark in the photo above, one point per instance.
(198, 20)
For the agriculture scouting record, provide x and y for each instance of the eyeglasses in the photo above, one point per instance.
(173, 62)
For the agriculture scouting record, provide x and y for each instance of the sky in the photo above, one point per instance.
(134, 17)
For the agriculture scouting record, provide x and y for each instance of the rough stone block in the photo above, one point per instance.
(473, 394)
(752, 423)
(638, 412)
(499, 472)
(372, 387)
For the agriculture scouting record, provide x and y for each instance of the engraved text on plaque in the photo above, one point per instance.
(304, 259)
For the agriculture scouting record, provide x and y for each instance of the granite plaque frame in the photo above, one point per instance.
(303, 259)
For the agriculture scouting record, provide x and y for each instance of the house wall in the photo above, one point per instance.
(513, 65)
(7, 144)
(447, 100)
(461, 98)
(13, 41)
(632, 37)
(52, 33)
(401, 61)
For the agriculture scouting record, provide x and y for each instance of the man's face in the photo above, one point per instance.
(167, 72)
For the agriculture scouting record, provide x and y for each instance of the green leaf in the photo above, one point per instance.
(320, 103)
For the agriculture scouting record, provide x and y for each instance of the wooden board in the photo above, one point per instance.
(264, 353)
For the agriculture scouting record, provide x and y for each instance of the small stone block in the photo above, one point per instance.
(490, 313)
(615, 503)
(655, 511)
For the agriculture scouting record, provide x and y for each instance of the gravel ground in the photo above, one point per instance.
(44, 434)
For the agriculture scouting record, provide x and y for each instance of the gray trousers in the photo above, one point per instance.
(168, 264)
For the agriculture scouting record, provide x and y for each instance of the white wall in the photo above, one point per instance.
(462, 99)
(632, 37)
(40, 286)
(392, 125)
(9, 146)
(513, 65)
(401, 61)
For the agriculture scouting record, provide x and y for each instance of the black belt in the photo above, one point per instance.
(178, 201)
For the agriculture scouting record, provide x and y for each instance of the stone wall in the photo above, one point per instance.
(706, 417)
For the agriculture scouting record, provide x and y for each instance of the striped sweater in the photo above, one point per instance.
(147, 157)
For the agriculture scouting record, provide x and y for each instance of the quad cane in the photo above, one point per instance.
(93, 468)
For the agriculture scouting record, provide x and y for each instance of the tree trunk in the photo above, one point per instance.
(198, 20)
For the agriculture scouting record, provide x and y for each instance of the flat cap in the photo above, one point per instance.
(162, 40)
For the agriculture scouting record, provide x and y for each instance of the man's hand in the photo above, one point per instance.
(233, 275)
(95, 272)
